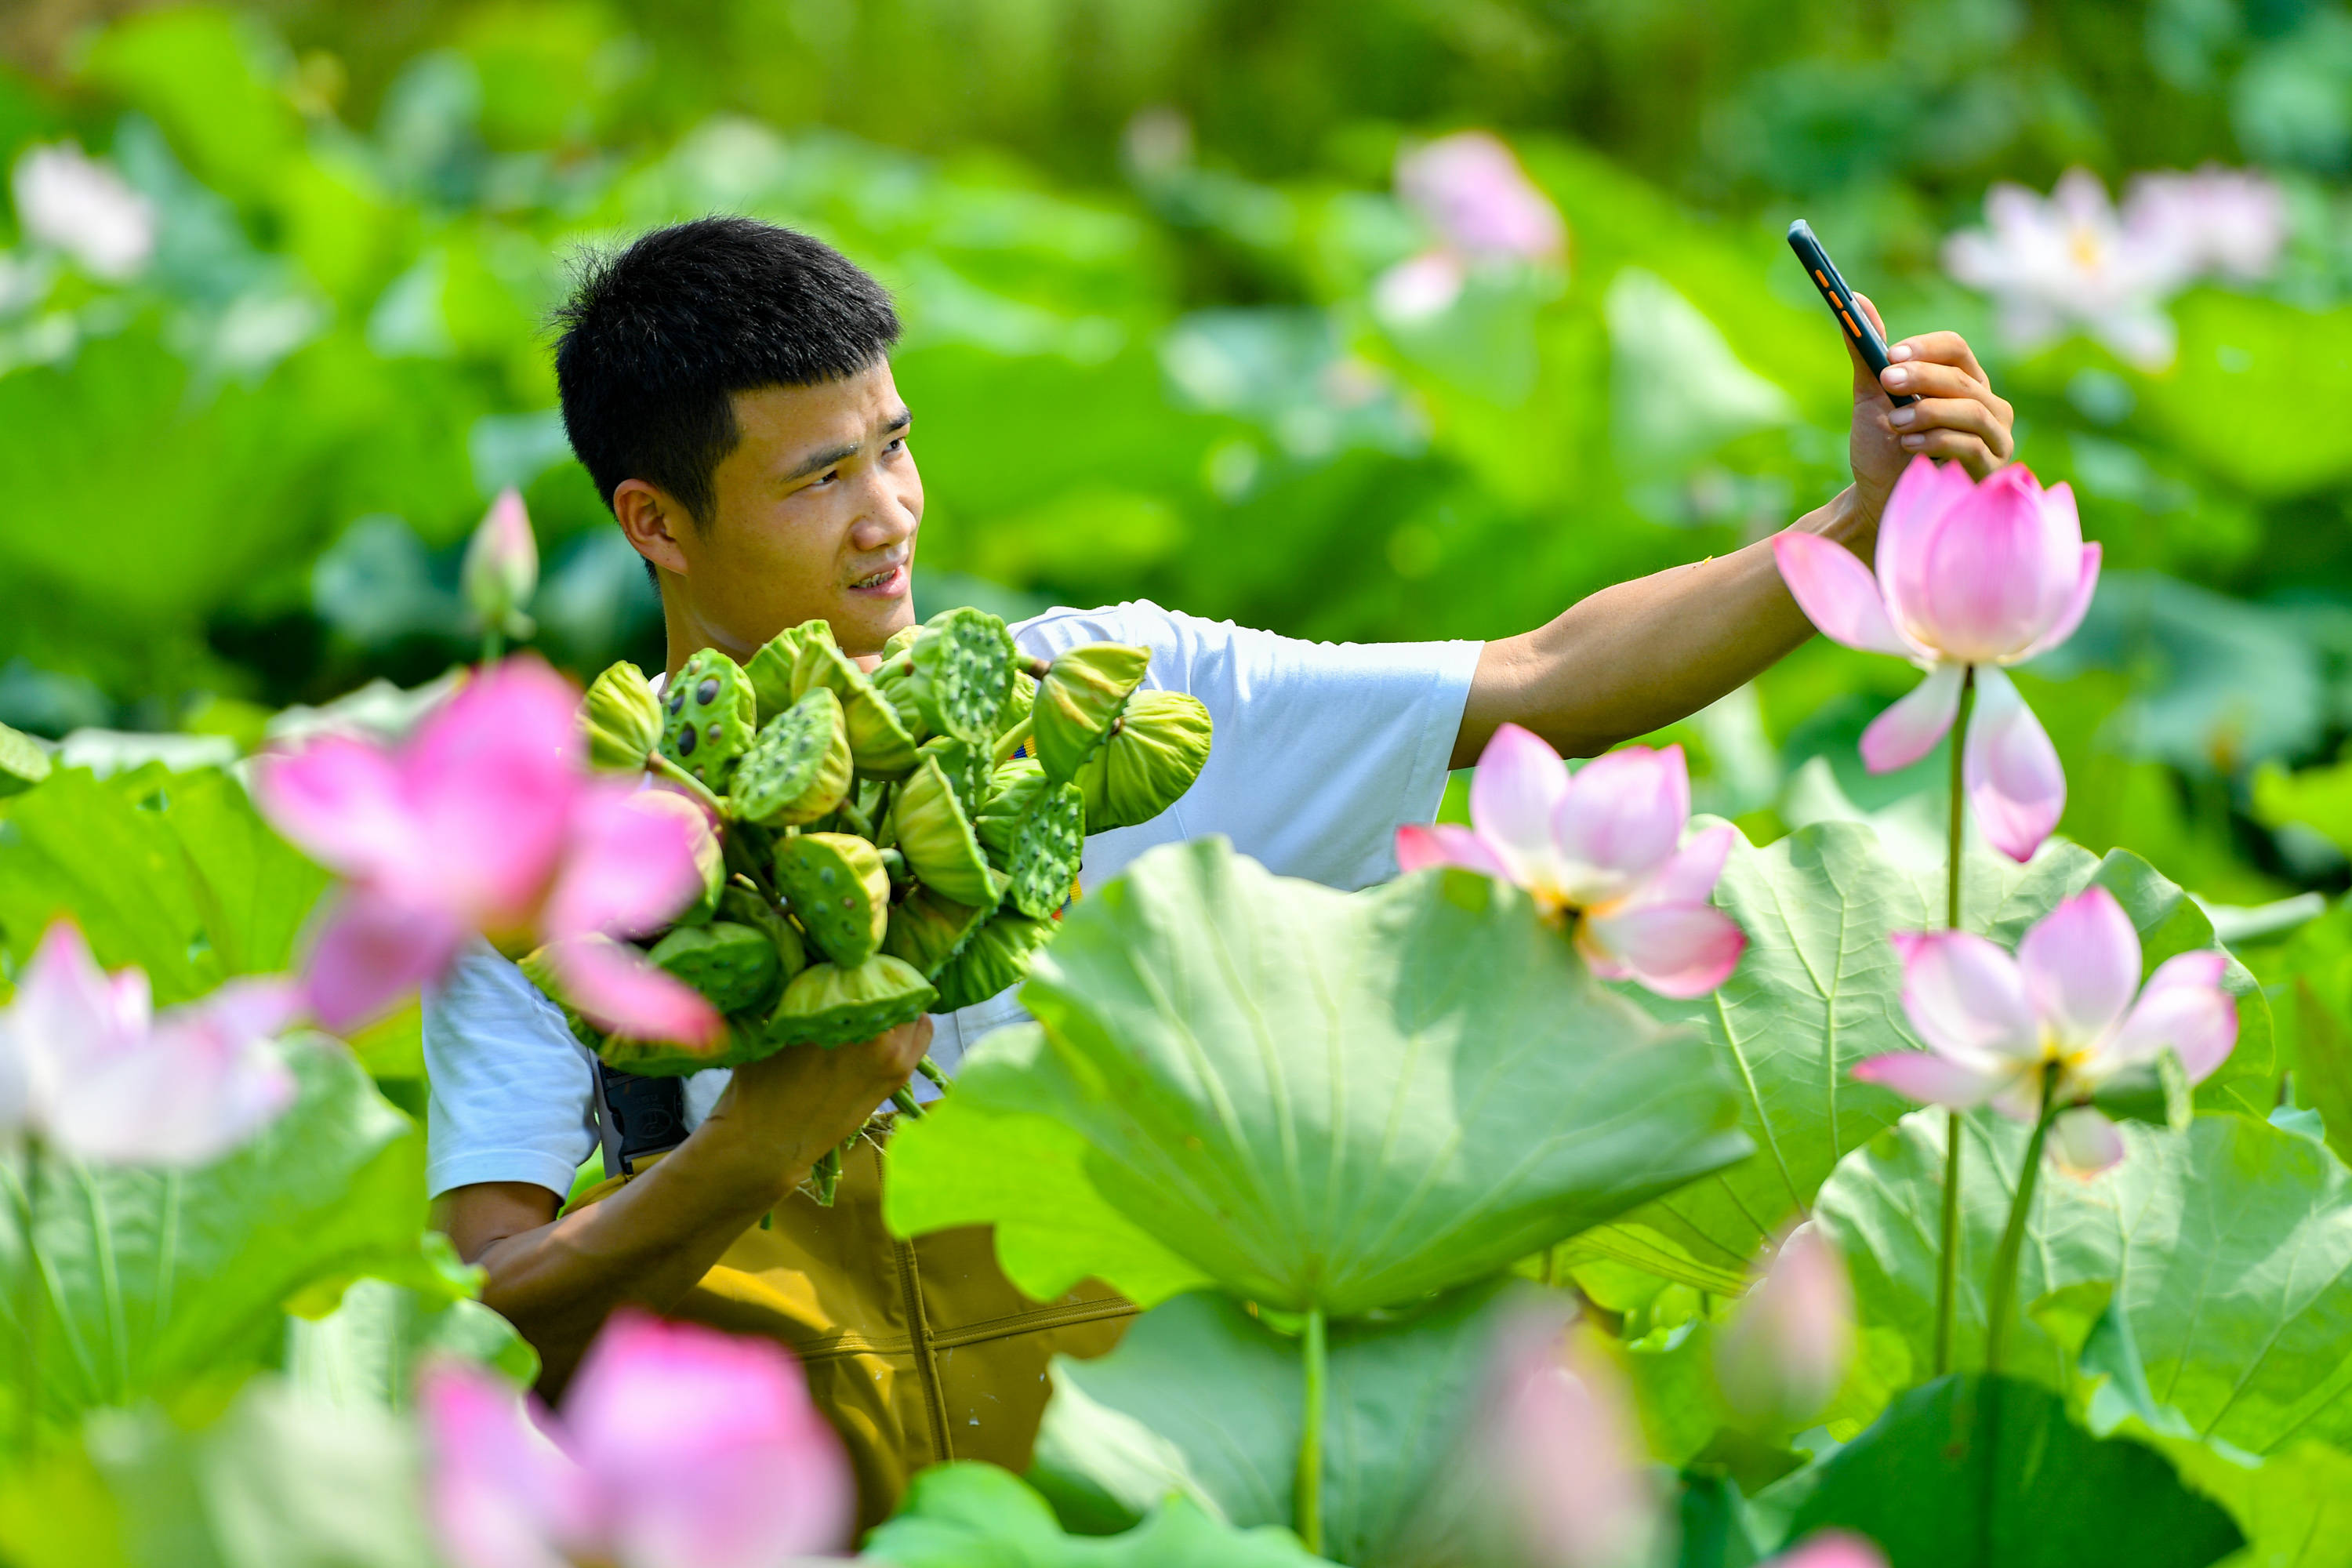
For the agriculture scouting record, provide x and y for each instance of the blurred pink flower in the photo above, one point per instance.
(1831, 1549)
(1602, 853)
(679, 1446)
(486, 820)
(501, 566)
(1478, 203)
(2068, 261)
(1784, 1355)
(1994, 1023)
(71, 202)
(1567, 1449)
(2227, 221)
(1419, 286)
(85, 1066)
(1968, 574)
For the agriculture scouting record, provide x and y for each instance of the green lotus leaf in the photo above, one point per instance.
(621, 717)
(799, 767)
(927, 931)
(932, 832)
(1820, 987)
(971, 1515)
(880, 743)
(962, 673)
(1081, 694)
(733, 966)
(709, 718)
(1012, 790)
(839, 892)
(992, 962)
(1046, 850)
(1327, 1099)
(22, 763)
(745, 906)
(1155, 749)
(828, 1004)
(2232, 1243)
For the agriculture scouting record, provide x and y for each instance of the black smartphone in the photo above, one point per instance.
(1839, 299)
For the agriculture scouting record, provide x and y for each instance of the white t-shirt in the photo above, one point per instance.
(1320, 750)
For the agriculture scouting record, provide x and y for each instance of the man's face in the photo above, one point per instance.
(817, 509)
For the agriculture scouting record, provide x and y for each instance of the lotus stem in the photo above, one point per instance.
(930, 1070)
(661, 767)
(1948, 1266)
(494, 646)
(1309, 1488)
(28, 1408)
(1012, 740)
(2012, 1236)
(905, 1100)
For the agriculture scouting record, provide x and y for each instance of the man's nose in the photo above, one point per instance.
(888, 517)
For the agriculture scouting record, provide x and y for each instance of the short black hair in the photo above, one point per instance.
(657, 337)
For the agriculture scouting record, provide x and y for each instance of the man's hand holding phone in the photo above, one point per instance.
(1959, 416)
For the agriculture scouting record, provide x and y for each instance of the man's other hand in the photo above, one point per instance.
(1957, 418)
(780, 1113)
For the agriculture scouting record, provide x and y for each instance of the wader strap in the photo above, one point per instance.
(637, 1116)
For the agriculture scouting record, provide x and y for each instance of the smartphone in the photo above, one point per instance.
(1839, 299)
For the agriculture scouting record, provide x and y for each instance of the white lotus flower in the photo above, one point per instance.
(68, 201)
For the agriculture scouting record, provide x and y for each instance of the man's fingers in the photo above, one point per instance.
(1957, 445)
(1962, 415)
(1925, 378)
(1940, 348)
(1865, 380)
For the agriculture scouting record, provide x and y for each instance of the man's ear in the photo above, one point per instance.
(652, 522)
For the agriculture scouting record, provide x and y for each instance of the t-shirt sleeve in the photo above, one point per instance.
(513, 1094)
(1320, 751)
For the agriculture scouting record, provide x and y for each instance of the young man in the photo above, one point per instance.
(727, 386)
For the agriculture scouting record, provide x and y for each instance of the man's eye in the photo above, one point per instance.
(897, 444)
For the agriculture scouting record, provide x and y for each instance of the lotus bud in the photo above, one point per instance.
(830, 1005)
(961, 674)
(935, 835)
(1156, 748)
(746, 906)
(709, 715)
(1081, 694)
(1784, 1356)
(880, 745)
(734, 966)
(622, 719)
(1046, 851)
(1012, 791)
(798, 768)
(927, 931)
(710, 859)
(839, 891)
(502, 569)
(995, 960)
(23, 764)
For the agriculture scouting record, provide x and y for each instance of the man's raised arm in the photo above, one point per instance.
(1639, 654)
(557, 1279)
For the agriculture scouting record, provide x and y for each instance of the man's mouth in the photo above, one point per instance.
(888, 578)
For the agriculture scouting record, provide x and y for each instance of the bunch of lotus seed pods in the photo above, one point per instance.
(888, 845)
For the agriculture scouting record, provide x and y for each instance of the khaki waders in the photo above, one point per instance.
(920, 1351)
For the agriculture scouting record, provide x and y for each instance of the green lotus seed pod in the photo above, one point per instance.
(770, 670)
(1156, 748)
(900, 641)
(1012, 790)
(831, 1005)
(620, 717)
(798, 768)
(746, 906)
(734, 966)
(879, 746)
(1020, 698)
(926, 930)
(996, 959)
(935, 835)
(1046, 849)
(709, 712)
(744, 1044)
(838, 890)
(966, 766)
(1079, 699)
(894, 682)
(963, 673)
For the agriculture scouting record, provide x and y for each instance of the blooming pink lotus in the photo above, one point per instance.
(1602, 853)
(2231, 222)
(679, 1446)
(1969, 576)
(2071, 260)
(85, 1066)
(487, 820)
(2064, 1008)
(1470, 191)
(1781, 1359)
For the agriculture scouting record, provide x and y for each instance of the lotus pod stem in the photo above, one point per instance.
(906, 1103)
(931, 1070)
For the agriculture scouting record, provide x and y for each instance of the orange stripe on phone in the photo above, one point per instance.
(1848, 325)
(1817, 273)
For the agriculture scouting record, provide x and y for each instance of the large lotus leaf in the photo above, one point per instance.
(972, 1515)
(1344, 1100)
(151, 1278)
(1978, 1472)
(174, 872)
(368, 1349)
(2232, 1244)
(1202, 1400)
(1820, 988)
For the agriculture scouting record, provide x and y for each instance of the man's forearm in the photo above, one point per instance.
(1639, 654)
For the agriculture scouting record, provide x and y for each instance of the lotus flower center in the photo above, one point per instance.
(2089, 254)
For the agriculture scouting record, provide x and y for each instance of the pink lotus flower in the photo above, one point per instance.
(2231, 222)
(486, 820)
(1602, 853)
(1562, 1441)
(1996, 1026)
(2071, 262)
(1470, 191)
(679, 1447)
(1970, 574)
(501, 567)
(85, 1066)
(1782, 1359)
(1832, 1548)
